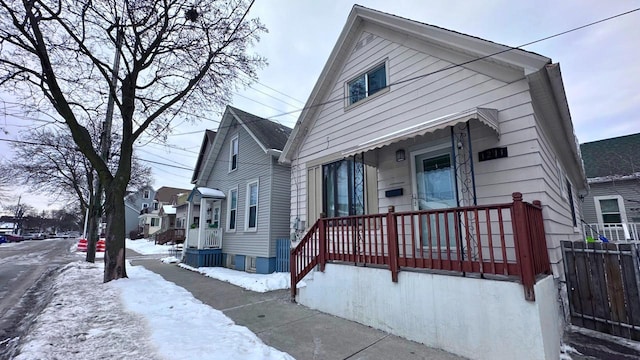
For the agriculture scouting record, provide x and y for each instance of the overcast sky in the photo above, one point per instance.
(599, 64)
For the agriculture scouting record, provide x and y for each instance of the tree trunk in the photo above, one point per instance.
(92, 231)
(114, 257)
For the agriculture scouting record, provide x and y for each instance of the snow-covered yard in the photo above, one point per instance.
(142, 317)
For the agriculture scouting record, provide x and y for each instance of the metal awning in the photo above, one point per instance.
(207, 193)
(486, 116)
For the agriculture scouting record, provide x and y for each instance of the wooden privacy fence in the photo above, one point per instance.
(501, 239)
(603, 283)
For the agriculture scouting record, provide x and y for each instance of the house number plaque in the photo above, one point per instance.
(493, 153)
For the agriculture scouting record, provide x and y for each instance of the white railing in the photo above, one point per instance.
(212, 238)
(614, 232)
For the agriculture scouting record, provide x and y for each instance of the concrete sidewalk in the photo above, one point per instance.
(293, 328)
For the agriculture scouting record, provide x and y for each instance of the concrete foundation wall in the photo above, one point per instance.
(475, 318)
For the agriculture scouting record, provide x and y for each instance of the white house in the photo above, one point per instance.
(425, 151)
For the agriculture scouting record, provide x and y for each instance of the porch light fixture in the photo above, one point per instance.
(400, 155)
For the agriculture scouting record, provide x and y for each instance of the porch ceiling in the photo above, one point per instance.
(486, 116)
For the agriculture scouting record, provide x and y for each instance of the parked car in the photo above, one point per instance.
(34, 236)
(13, 238)
(3, 239)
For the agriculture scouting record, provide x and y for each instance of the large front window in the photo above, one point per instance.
(343, 185)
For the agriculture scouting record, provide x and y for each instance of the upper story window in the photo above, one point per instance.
(145, 205)
(367, 84)
(146, 194)
(233, 154)
(155, 205)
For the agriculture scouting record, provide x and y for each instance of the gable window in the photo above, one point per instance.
(610, 209)
(251, 218)
(343, 188)
(233, 209)
(233, 154)
(367, 84)
(146, 194)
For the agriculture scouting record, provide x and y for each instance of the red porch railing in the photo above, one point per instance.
(501, 239)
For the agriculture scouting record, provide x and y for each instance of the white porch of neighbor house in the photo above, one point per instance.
(203, 245)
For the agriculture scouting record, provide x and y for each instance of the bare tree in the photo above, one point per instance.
(179, 59)
(47, 161)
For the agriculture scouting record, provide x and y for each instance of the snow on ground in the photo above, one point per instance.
(253, 282)
(142, 317)
(146, 247)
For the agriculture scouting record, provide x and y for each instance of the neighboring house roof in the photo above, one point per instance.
(546, 86)
(207, 141)
(269, 135)
(181, 200)
(616, 157)
(168, 195)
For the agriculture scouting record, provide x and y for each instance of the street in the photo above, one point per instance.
(24, 270)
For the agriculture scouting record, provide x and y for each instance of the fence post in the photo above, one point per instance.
(523, 246)
(392, 242)
(322, 238)
(294, 273)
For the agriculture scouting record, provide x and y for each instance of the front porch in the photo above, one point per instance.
(203, 245)
(500, 241)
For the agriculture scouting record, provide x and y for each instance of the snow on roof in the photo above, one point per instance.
(168, 209)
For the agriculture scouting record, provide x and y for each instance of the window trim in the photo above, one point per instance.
(621, 208)
(229, 209)
(146, 194)
(231, 154)
(248, 205)
(348, 104)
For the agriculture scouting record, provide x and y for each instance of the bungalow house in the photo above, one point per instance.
(612, 206)
(450, 162)
(134, 203)
(150, 220)
(240, 203)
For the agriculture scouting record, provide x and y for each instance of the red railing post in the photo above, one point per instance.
(392, 242)
(322, 239)
(522, 240)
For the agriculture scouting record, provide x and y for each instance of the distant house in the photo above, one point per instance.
(134, 203)
(612, 206)
(240, 203)
(417, 166)
(149, 219)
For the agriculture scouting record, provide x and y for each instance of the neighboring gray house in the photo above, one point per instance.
(418, 159)
(133, 204)
(242, 193)
(612, 206)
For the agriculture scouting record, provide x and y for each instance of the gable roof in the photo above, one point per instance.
(614, 157)
(207, 141)
(167, 195)
(269, 135)
(473, 47)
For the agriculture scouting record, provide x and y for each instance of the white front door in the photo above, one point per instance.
(435, 188)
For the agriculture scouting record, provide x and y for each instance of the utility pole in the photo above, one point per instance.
(105, 146)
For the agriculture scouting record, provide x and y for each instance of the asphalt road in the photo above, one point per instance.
(25, 269)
